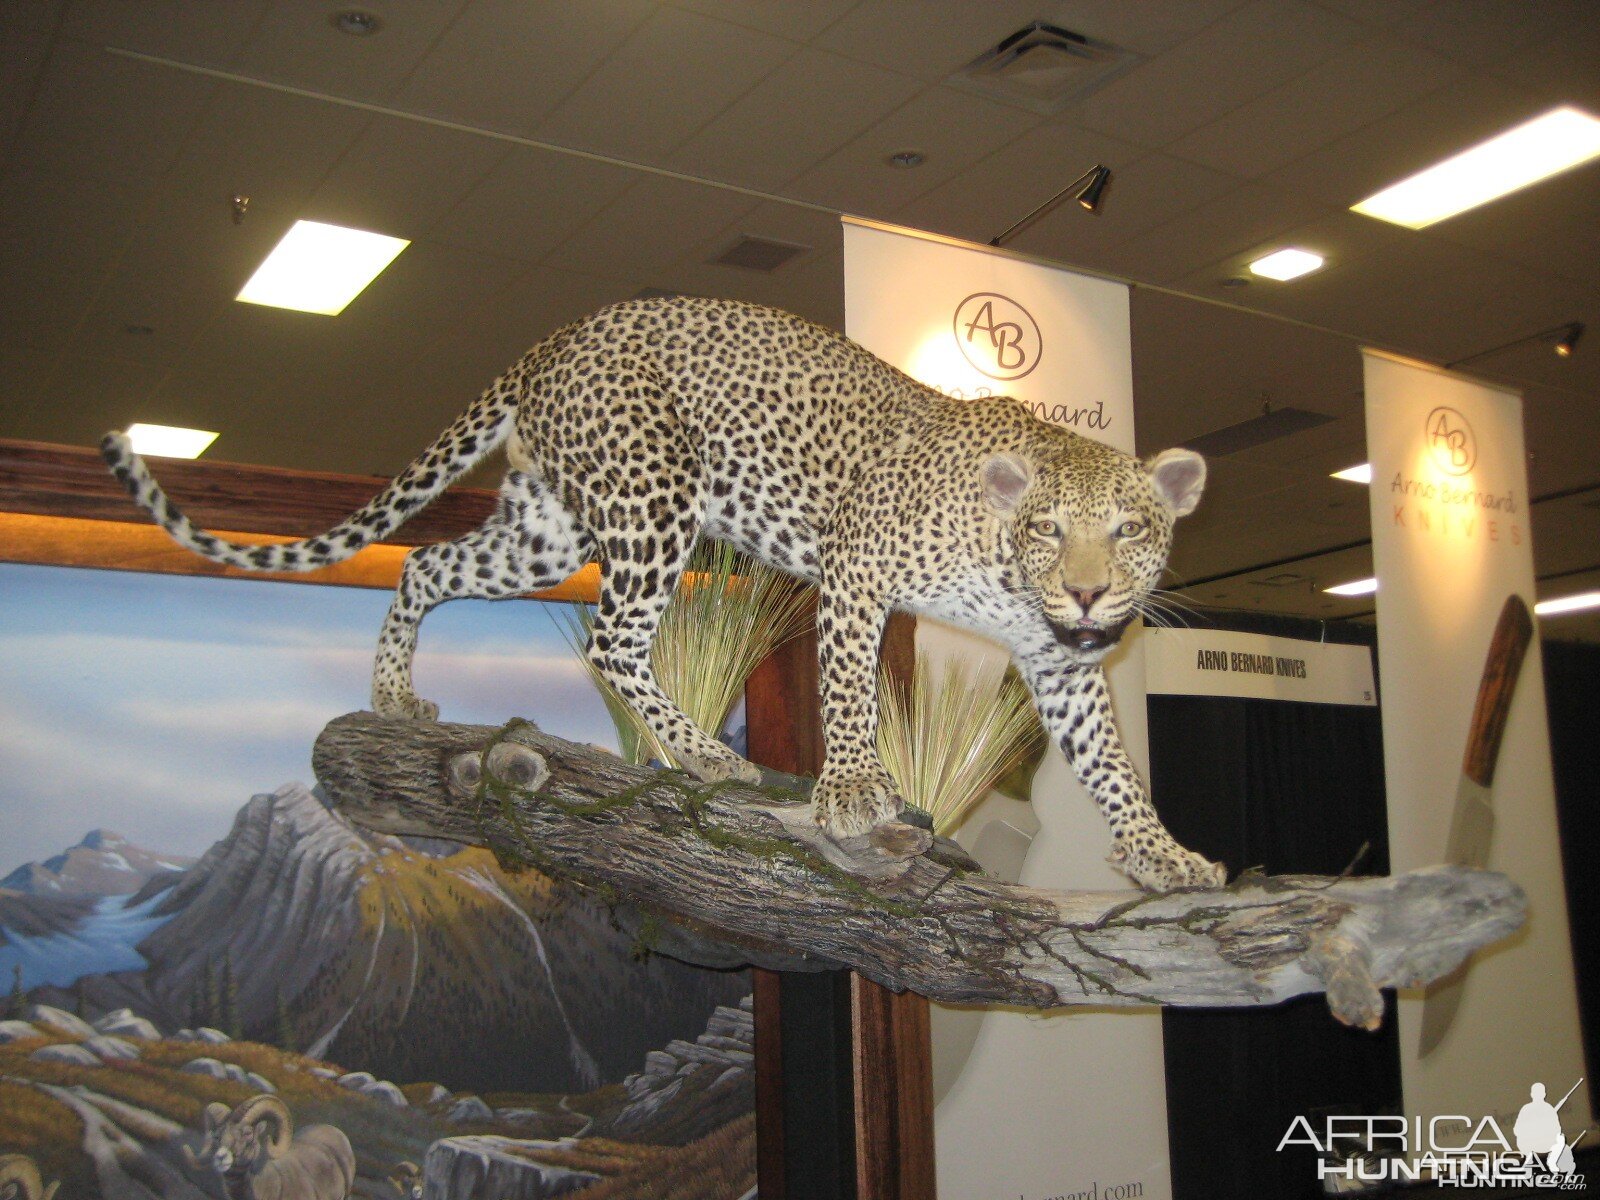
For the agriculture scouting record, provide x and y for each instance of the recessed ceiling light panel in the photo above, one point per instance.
(319, 268)
(169, 441)
(1356, 587)
(1360, 473)
(1535, 150)
(1285, 264)
(1567, 604)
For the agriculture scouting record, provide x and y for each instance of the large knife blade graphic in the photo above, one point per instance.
(1472, 823)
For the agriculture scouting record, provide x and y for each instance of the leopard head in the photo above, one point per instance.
(1088, 530)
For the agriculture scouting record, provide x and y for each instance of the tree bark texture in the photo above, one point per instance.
(730, 873)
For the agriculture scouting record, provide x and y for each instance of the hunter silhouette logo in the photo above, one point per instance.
(1451, 443)
(997, 335)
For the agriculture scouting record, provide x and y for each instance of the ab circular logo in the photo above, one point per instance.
(1450, 441)
(997, 335)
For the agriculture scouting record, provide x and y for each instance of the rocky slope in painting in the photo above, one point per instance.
(414, 962)
(107, 1109)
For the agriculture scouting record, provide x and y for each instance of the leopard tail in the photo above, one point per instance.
(485, 424)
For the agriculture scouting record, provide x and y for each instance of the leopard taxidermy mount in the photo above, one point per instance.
(634, 431)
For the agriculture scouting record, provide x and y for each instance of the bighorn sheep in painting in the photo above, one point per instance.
(407, 1180)
(259, 1156)
(20, 1179)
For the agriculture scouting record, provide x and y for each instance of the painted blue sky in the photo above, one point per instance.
(156, 705)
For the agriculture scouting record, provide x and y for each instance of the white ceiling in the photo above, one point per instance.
(546, 158)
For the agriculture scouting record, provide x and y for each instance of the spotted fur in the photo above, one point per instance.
(652, 422)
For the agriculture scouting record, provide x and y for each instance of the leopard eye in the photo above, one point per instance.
(1130, 529)
(1045, 529)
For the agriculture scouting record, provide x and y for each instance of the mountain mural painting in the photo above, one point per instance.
(502, 1027)
(199, 999)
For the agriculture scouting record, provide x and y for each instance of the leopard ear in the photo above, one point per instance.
(1005, 481)
(1179, 477)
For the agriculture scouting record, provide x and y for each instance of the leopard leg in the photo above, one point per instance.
(529, 543)
(637, 579)
(1075, 705)
(853, 793)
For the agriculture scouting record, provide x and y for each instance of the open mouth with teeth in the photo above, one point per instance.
(1088, 635)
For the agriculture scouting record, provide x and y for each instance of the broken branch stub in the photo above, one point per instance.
(732, 873)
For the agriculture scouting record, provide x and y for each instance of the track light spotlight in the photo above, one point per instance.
(1089, 194)
(1563, 339)
(1086, 189)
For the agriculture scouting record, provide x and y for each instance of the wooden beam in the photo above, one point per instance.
(60, 506)
(48, 480)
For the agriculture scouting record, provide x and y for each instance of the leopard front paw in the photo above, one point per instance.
(848, 805)
(1159, 864)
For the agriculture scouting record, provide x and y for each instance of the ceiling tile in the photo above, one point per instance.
(97, 395)
(674, 74)
(800, 22)
(1482, 32)
(801, 112)
(132, 321)
(190, 30)
(1348, 169)
(187, 241)
(505, 64)
(930, 40)
(66, 224)
(22, 56)
(297, 42)
(654, 224)
(1361, 82)
(1254, 49)
(270, 146)
(1147, 29)
(1572, 196)
(57, 304)
(101, 116)
(1563, 69)
(809, 284)
(953, 129)
(531, 202)
(401, 178)
(1233, 222)
(1377, 12)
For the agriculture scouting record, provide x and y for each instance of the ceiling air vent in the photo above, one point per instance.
(1044, 68)
(1271, 425)
(1282, 579)
(759, 254)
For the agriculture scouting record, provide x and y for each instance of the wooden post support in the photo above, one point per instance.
(889, 1056)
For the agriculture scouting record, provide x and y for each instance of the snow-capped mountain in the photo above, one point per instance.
(102, 864)
(414, 961)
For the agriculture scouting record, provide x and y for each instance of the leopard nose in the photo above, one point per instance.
(1087, 596)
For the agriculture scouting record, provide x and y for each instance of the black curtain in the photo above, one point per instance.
(1286, 787)
(1572, 693)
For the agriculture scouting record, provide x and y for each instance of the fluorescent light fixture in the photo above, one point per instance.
(169, 441)
(1560, 139)
(1360, 473)
(1356, 587)
(1566, 604)
(1286, 264)
(320, 268)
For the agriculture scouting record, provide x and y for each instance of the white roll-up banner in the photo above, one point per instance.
(1451, 546)
(1029, 1106)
